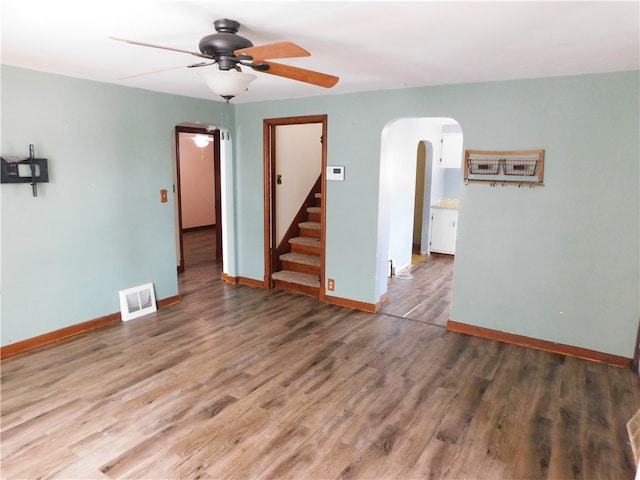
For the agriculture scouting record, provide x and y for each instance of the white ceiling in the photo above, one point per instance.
(369, 45)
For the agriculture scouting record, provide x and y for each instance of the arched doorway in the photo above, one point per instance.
(396, 202)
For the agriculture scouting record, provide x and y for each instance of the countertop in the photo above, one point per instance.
(446, 202)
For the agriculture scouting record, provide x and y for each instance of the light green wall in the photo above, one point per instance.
(560, 262)
(98, 226)
(353, 140)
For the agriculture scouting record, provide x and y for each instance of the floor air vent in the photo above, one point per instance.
(137, 301)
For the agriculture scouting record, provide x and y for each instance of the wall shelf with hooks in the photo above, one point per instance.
(515, 167)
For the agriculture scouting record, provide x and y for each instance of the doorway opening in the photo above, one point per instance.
(411, 160)
(421, 210)
(290, 184)
(397, 197)
(198, 191)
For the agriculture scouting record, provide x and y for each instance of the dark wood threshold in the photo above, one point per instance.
(201, 227)
(545, 345)
(72, 331)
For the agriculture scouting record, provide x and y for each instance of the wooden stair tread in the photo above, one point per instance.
(310, 225)
(300, 265)
(297, 277)
(308, 241)
(303, 258)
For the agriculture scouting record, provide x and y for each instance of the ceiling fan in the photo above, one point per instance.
(230, 51)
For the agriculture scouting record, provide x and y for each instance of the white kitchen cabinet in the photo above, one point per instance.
(444, 224)
(451, 154)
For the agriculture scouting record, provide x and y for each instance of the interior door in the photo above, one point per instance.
(272, 182)
(215, 145)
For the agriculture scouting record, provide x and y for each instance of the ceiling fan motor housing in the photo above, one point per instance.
(222, 44)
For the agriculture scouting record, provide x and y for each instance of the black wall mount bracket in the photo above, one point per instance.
(25, 170)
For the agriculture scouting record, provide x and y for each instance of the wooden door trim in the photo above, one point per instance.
(217, 181)
(177, 191)
(268, 141)
(635, 363)
(323, 210)
(268, 145)
(217, 187)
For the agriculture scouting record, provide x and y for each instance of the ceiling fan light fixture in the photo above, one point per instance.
(227, 83)
(228, 51)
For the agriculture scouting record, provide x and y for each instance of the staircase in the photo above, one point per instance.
(299, 267)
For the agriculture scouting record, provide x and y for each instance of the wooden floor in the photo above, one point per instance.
(423, 291)
(237, 382)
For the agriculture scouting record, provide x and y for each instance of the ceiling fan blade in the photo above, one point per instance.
(200, 64)
(143, 44)
(274, 50)
(300, 74)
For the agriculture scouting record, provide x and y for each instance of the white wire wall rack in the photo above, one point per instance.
(509, 167)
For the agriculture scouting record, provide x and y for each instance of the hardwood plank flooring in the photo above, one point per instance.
(422, 292)
(237, 382)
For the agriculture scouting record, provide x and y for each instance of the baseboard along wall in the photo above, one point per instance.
(33, 343)
(545, 345)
